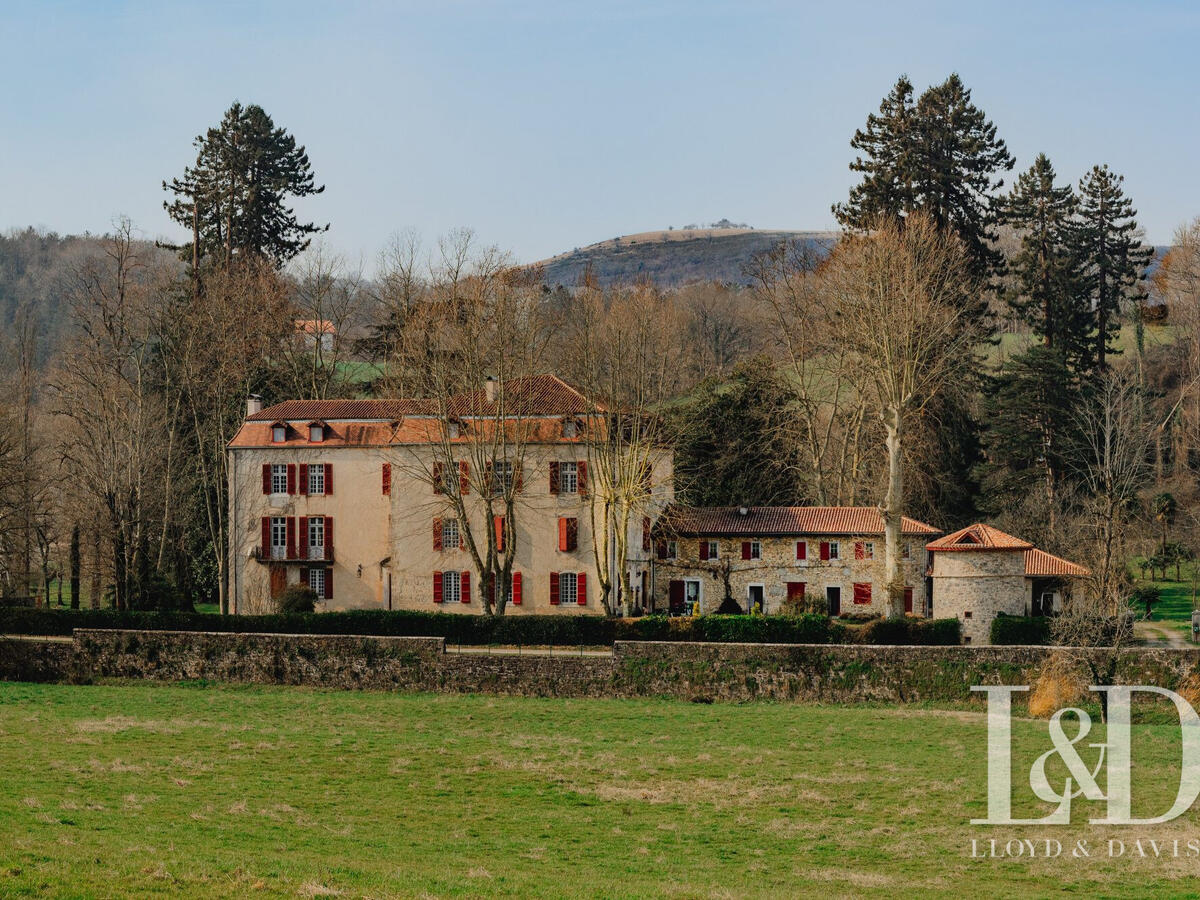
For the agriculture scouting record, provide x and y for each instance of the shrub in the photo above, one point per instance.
(296, 598)
(1021, 630)
(911, 631)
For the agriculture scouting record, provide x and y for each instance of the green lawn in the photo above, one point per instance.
(209, 791)
(1175, 598)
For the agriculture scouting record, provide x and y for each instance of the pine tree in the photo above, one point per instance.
(234, 200)
(1045, 269)
(1111, 258)
(940, 156)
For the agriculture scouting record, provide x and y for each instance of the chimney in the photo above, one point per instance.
(743, 511)
(489, 389)
(253, 405)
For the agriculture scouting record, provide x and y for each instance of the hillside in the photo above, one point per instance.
(671, 258)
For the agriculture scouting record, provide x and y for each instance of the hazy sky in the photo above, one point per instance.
(546, 126)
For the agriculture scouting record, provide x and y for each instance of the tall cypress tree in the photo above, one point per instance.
(1112, 260)
(235, 199)
(1045, 269)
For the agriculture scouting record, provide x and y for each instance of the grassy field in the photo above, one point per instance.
(209, 791)
(1174, 607)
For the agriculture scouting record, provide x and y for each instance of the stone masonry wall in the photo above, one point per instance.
(686, 671)
(975, 585)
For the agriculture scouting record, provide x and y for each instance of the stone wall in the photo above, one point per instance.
(686, 671)
(975, 585)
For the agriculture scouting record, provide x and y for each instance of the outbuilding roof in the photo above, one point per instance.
(979, 537)
(781, 520)
(1040, 564)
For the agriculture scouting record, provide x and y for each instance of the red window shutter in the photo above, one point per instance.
(464, 478)
(572, 534)
(554, 589)
(908, 599)
(703, 550)
(498, 526)
(291, 537)
(439, 477)
(304, 537)
(581, 478)
(266, 478)
(795, 590)
(660, 549)
(329, 583)
(824, 550)
(859, 550)
(465, 592)
(437, 534)
(303, 479)
(745, 549)
(291, 478)
(266, 537)
(329, 537)
(801, 549)
(645, 534)
(437, 587)
(328, 478)
(516, 588)
(554, 477)
(562, 535)
(387, 478)
(581, 589)
(862, 592)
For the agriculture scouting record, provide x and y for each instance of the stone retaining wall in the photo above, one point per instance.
(690, 671)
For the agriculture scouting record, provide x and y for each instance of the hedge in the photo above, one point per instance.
(1020, 630)
(509, 630)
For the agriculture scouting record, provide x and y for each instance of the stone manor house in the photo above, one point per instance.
(355, 499)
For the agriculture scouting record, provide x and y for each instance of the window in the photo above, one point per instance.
(316, 479)
(570, 428)
(502, 477)
(907, 551)
(316, 537)
(279, 479)
(568, 534)
(316, 433)
(278, 537)
(756, 550)
(316, 581)
(672, 550)
(278, 433)
(568, 477)
(709, 550)
(864, 550)
(451, 539)
(835, 550)
(452, 430)
(451, 587)
(802, 551)
(568, 587)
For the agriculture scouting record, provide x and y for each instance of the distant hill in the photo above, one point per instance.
(672, 258)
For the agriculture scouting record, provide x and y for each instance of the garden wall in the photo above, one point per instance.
(689, 671)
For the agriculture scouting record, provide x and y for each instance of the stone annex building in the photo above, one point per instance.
(355, 498)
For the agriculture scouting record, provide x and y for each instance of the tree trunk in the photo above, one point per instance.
(94, 586)
(891, 510)
(75, 567)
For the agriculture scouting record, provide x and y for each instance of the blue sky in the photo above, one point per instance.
(546, 126)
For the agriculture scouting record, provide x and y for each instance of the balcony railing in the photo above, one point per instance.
(294, 554)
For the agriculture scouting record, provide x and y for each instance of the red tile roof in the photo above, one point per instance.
(782, 520)
(979, 537)
(334, 410)
(1040, 564)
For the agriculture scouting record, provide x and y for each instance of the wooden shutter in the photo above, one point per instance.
(465, 587)
(675, 595)
(437, 587)
(572, 534)
(824, 550)
(387, 478)
(464, 478)
(581, 589)
(703, 551)
(328, 478)
(304, 537)
(439, 477)
(645, 534)
(554, 589)
(303, 479)
(291, 537)
(266, 537)
(859, 550)
(745, 549)
(329, 582)
(862, 592)
(660, 549)
(795, 590)
(908, 600)
(329, 537)
(801, 549)
(562, 534)
(498, 526)
(266, 478)
(581, 478)
(437, 534)
(291, 478)
(516, 588)
(554, 477)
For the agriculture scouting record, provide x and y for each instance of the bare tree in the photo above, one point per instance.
(893, 304)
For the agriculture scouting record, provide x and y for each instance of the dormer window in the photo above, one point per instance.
(570, 428)
(453, 430)
(316, 432)
(278, 433)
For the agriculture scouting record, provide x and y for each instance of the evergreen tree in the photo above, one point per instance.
(235, 199)
(940, 156)
(1045, 269)
(1111, 258)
